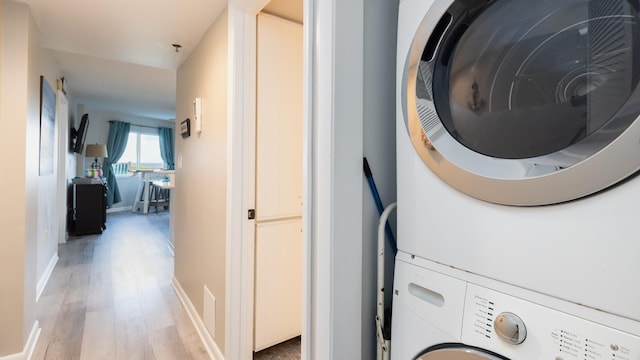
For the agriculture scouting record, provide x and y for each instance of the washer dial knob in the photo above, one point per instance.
(510, 328)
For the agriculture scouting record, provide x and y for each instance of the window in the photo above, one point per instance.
(142, 151)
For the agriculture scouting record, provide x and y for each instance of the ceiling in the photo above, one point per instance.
(287, 9)
(117, 55)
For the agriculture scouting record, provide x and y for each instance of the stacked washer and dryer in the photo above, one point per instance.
(518, 202)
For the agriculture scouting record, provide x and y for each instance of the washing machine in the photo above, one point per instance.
(455, 315)
(518, 143)
(518, 146)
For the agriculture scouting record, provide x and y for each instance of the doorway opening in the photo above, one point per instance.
(277, 178)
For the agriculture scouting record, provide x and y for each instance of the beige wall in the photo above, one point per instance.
(19, 133)
(28, 209)
(32, 179)
(201, 163)
(1, 42)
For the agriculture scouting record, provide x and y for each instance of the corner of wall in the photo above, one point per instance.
(15, 64)
(208, 341)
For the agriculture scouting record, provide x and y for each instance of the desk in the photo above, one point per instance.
(164, 185)
(142, 194)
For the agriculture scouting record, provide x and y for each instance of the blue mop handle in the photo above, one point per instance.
(376, 198)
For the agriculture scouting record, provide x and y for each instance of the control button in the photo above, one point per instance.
(614, 347)
(510, 328)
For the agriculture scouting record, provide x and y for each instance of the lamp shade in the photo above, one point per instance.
(96, 151)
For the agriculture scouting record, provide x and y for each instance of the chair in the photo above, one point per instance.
(121, 168)
(159, 193)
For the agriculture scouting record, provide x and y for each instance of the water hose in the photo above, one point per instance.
(376, 198)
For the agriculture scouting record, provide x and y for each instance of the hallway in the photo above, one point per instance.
(110, 297)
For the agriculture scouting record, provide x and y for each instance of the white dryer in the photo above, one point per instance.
(455, 315)
(518, 144)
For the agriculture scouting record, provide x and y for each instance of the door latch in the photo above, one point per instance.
(252, 214)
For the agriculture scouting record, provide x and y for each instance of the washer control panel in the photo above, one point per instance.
(510, 328)
(519, 329)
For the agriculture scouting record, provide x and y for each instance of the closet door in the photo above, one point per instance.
(278, 291)
(278, 232)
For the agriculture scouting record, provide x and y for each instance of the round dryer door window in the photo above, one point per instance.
(458, 352)
(526, 102)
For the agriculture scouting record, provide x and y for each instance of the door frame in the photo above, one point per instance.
(332, 187)
(240, 249)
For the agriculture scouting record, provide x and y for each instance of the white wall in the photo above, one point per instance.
(354, 111)
(380, 29)
(337, 198)
(98, 134)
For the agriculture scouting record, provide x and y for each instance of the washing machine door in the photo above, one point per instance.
(526, 102)
(458, 352)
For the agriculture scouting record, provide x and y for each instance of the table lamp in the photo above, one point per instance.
(96, 151)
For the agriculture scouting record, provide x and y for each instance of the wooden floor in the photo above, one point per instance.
(110, 297)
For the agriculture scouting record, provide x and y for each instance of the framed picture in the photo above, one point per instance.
(185, 128)
(47, 127)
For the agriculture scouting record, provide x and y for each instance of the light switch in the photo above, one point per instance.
(197, 110)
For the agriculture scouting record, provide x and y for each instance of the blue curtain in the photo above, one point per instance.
(166, 147)
(116, 144)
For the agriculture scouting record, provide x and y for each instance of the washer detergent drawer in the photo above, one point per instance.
(550, 334)
(435, 298)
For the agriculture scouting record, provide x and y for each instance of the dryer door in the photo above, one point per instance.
(458, 352)
(527, 102)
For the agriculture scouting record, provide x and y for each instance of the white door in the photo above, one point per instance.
(278, 305)
(278, 277)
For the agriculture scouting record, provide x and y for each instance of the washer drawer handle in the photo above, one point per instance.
(427, 295)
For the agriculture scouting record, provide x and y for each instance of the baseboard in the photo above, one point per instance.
(209, 344)
(30, 346)
(45, 277)
(64, 239)
(171, 248)
(118, 209)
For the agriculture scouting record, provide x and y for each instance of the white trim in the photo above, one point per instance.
(171, 248)
(29, 347)
(322, 103)
(62, 125)
(44, 279)
(336, 228)
(235, 275)
(249, 178)
(208, 342)
(242, 24)
(308, 275)
(241, 181)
